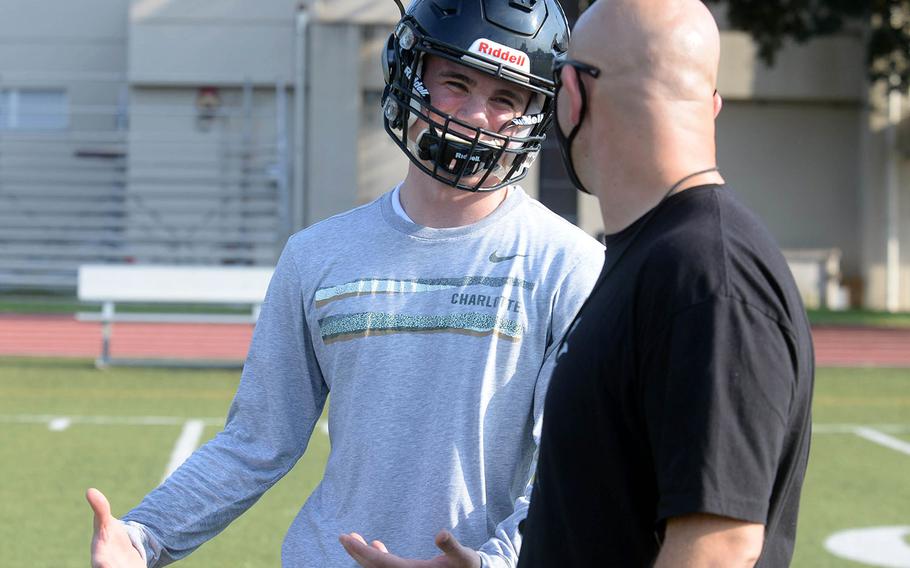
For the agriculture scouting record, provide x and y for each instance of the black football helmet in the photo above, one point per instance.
(513, 40)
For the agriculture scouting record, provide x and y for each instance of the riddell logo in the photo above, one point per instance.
(513, 58)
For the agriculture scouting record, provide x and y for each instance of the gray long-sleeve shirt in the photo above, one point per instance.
(436, 345)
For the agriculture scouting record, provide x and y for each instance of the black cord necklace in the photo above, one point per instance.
(676, 185)
(647, 217)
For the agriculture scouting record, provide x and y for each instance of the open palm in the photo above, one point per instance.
(111, 545)
(376, 555)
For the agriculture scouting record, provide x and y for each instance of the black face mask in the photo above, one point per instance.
(565, 142)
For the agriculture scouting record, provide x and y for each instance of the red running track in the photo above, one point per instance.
(861, 347)
(63, 336)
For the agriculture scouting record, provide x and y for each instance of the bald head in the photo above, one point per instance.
(668, 50)
(646, 121)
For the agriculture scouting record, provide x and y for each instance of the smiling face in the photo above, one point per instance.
(476, 99)
(472, 96)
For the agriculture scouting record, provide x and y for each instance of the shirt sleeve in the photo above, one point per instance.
(717, 385)
(276, 407)
(502, 550)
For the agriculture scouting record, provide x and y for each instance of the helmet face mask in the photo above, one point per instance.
(444, 147)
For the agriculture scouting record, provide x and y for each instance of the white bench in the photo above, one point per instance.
(161, 284)
(818, 276)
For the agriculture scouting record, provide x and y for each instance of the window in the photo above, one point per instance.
(34, 109)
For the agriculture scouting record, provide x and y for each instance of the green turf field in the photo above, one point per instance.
(112, 443)
(46, 521)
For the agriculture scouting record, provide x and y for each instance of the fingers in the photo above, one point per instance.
(111, 545)
(375, 555)
(356, 547)
(449, 545)
(100, 506)
(377, 544)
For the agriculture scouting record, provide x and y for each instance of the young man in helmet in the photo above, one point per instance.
(431, 315)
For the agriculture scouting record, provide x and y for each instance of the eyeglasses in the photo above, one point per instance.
(579, 67)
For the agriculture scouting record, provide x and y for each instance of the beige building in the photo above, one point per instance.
(172, 131)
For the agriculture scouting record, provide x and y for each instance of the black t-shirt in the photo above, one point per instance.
(684, 387)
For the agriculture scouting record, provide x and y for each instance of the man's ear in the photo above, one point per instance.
(572, 92)
(718, 103)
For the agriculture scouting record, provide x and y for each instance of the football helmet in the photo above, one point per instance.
(512, 40)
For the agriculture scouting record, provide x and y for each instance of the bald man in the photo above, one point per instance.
(678, 417)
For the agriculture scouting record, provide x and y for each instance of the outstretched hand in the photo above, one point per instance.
(376, 555)
(111, 545)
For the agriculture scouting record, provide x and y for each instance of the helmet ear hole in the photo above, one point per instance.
(389, 60)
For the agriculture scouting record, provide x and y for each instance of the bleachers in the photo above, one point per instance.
(103, 191)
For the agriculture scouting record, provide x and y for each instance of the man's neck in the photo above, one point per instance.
(624, 201)
(652, 145)
(433, 204)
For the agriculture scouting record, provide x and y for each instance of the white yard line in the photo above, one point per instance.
(852, 428)
(55, 421)
(322, 425)
(106, 420)
(186, 445)
(884, 440)
(59, 424)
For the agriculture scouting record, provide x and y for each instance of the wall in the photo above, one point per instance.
(61, 189)
(223, 42)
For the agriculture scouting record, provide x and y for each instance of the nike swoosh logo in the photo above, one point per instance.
(494, 258)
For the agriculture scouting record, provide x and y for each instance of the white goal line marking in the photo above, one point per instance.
(105, 420)
(55, 421)
(58, 423)
(875, 433)
(852, 428)
(184, 447)
(884, 440)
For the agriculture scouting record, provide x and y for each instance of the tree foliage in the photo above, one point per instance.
(884, 24)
